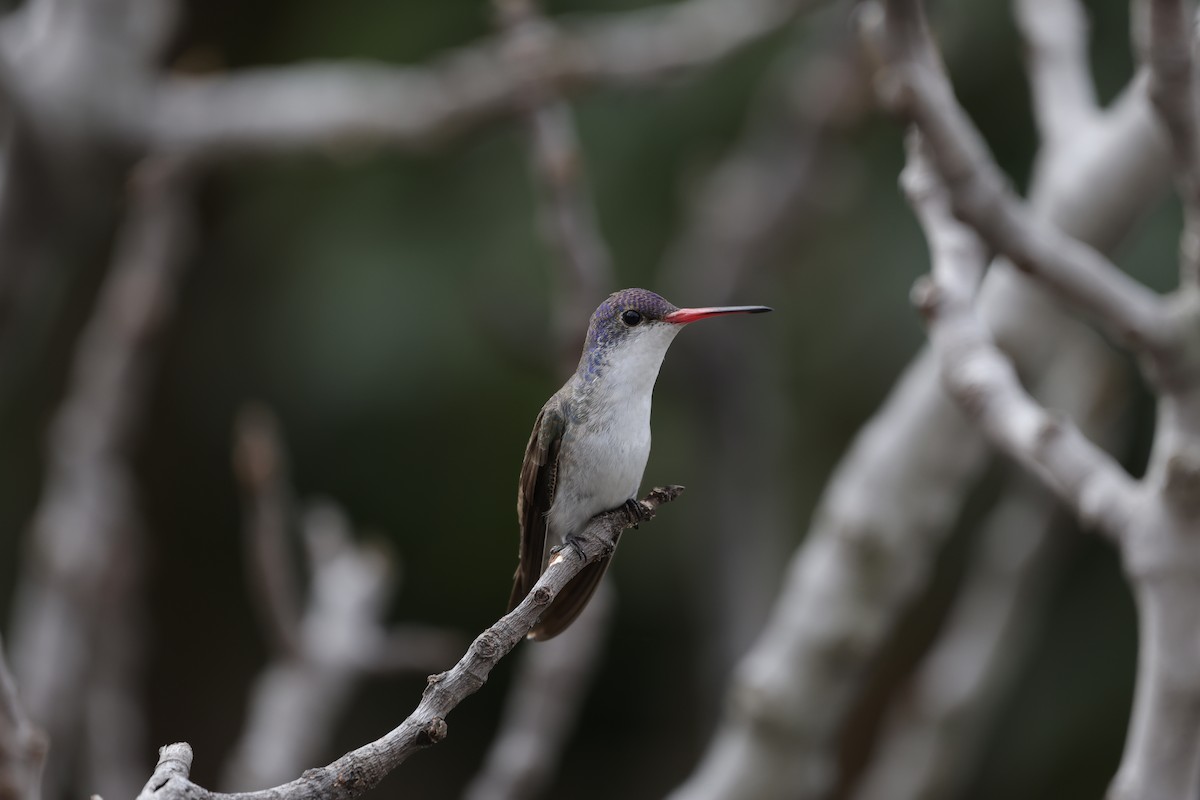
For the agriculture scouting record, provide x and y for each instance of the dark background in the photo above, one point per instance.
(393, 309)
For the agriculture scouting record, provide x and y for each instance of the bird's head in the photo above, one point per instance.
(637, 326)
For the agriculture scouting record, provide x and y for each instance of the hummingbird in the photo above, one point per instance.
(591, 440)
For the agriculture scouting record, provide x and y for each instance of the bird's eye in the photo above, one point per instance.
(631, 317)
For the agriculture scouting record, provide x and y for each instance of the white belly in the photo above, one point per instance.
(600, 467)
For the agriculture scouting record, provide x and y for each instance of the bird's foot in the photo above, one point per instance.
(637, 511)
(571, 542)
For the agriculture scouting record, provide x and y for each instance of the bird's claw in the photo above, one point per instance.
(571, 542)
(636, 510)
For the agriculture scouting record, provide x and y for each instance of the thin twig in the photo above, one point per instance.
(362, 769)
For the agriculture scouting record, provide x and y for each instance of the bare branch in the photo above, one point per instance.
(1162, 558)
(982, 379)
(1173, 90)
(1056, 56)
(915, 86)
(896, 493)
(332, 105)
(174, 764)
(361, 770)
(936, 733)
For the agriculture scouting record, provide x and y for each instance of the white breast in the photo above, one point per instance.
(604, 453)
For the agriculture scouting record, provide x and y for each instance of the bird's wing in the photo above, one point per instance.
(535, 495)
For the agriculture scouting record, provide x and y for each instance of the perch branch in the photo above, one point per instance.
(336, 638)
(362, 769)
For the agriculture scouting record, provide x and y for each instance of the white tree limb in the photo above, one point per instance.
(1154, 521)
(915, 86)
(566, 214)
(936, 732)
(338, 104)
(983, 381)
(1056, 56)
(897, 492)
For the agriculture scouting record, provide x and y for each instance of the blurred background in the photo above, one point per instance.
(397, 312)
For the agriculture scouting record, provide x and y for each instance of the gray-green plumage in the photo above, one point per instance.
(591, 441)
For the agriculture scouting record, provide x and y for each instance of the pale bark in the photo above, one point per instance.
(896, 494)
(934, 736)
(1153, 521)
(361, 770)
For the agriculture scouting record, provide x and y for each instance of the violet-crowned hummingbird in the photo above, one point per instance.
(591, 440)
